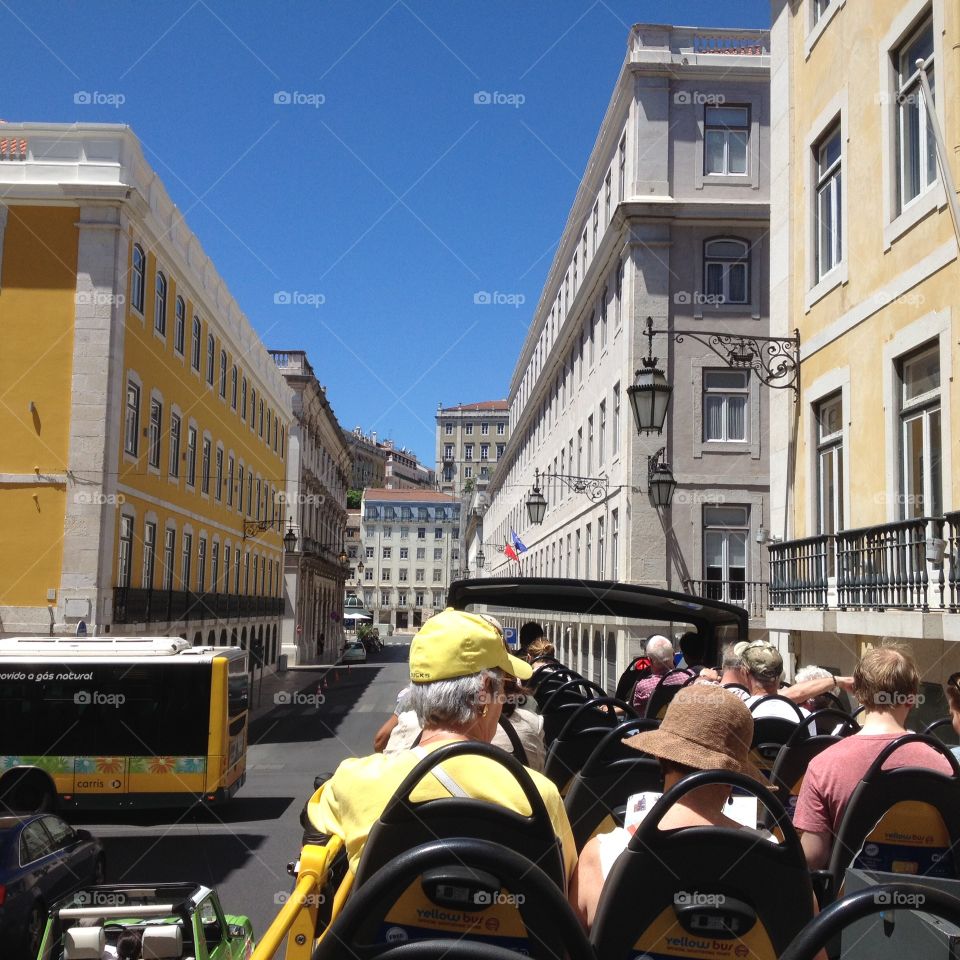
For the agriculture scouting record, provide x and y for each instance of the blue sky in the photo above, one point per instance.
(379, 193)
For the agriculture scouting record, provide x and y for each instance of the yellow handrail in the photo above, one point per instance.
(300, 910)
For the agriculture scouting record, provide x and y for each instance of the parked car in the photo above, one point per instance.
(354, 652)
(42, 859)
(173, 919)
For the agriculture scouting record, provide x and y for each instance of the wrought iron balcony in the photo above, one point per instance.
(905, 565)
(749, 594)
(140, 605)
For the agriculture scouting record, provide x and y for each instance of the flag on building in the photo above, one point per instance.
(510, 552)
(517, 542)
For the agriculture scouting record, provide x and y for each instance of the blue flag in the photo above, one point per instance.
(517, 542)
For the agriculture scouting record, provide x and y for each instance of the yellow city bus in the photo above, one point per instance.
(117, 722)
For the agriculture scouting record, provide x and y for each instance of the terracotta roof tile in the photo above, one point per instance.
(499, 405)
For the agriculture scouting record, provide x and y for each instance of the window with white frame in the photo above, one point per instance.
(818, 8)
(156, 427)
(615, 423)
(179, 325)
(205, 466)
(169, 556)
(191, 455)
(601, 555)
(614, 545)
(916, 148)
(920, 437)
(195, 345)
(131, 431)
(829, 465)
(725, 406)
(125, 558)
(186, 559)
(218, 476)
(725, 534)
(202, 564)
(174, 469)
(211, 353)
(149, 554)
(137, 278)
(223, 373)
(828, 233)
(726, 134)
(601, 432)
(726, 270)
(160, 305)
(448, 429)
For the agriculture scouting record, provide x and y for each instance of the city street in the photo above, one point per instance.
(243, 848)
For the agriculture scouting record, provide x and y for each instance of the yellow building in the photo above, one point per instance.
(864, 264)
(144, 423)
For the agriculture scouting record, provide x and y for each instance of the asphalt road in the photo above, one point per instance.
(243, 848)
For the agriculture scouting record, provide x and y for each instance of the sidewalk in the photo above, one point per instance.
(296, 679)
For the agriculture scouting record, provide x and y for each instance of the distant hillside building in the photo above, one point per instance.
(471, 438)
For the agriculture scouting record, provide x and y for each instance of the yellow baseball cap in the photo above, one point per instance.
(457, 644)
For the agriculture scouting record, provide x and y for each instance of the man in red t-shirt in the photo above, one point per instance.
(886, 682)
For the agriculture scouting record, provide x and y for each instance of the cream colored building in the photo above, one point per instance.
(864, 265)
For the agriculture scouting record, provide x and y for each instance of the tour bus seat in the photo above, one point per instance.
(679, 892)
(84, 943)
(827, 926)
(406, 823)
(545, 681)
(463, 890)
(563, 703)
(598, 793)
(162, 942)
(889, 807)
(795, 755)
(771, 733)
(638, 669)
(665, 692)
(584, 729)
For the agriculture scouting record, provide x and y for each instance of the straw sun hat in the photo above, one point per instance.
(706, 728)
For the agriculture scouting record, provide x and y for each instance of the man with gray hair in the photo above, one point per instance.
(660, 654)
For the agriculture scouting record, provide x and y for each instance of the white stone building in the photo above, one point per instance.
(670, 222)
(471, 439)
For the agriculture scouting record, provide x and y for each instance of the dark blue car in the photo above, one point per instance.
(42, 858)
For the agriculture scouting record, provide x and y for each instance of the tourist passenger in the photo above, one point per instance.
(952, 689)
(660, 654)
(763, 666)
(704, 728)
(693, 646)
(529, 632)
(540, 653)
(130, 945)
(457, 666)
(886, 682)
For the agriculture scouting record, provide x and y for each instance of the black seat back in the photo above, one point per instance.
(598, 794)
(902, 820)
(405, 823)
(545, 681)
(639, 669)
(704, 885)
(771, 733)
(795, 755)
(665, 692)
(584, 729)
(563, 703)
(463, 890)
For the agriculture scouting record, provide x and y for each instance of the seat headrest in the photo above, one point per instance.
(162, 942)
(84, 943)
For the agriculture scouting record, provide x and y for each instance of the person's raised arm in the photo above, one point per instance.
(382, 736)
(808, 689)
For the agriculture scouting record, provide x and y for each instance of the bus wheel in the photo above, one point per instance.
(26, 792)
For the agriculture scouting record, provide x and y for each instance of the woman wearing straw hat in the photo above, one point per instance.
(705, 728)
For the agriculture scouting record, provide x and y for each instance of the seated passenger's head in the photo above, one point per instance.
(129, 945)
(705, 728)
(953, 699)
(529, 632)
(887, 679)
(457, 664)
(540, 649)
(693, 646)
(763, 665)
(659, 652)
(813, 672)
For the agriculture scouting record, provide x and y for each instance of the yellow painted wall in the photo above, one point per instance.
(37, 304)
(161, 367)
(847, 54)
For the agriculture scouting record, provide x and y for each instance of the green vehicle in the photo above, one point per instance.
(174, 920)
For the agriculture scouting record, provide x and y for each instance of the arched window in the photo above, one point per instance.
(195, 345)
(223, 373)
(136, 282)
(160, 305)
(726, 270)
(233, 387)
(178, 325)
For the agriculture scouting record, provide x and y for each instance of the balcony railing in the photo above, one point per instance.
(891, 566)
(749, 594)
(140, 605)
